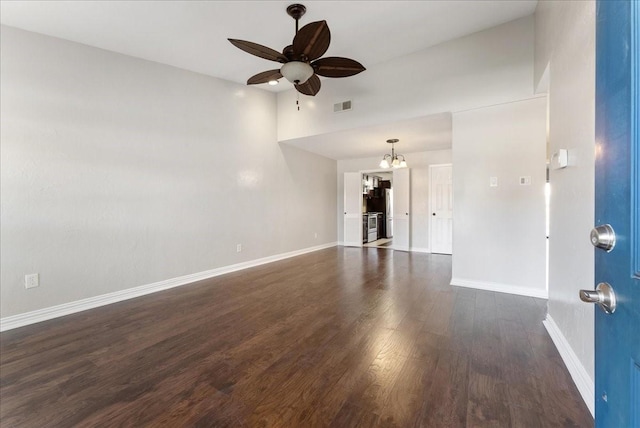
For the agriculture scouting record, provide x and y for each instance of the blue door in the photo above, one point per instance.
(617, 190)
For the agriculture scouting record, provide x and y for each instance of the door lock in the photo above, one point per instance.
(603, 296)
(603, 237)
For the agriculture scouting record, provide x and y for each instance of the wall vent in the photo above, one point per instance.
(343, 106)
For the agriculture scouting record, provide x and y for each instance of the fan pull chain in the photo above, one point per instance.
(298, 100)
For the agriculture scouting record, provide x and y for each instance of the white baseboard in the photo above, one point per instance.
(580, 377)
(500, 288)
(20, 320)
(420, 250)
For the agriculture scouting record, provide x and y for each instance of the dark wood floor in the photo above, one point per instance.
(342, 337)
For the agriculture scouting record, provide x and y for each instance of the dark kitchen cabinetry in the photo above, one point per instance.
(376, 204)
(365, 228)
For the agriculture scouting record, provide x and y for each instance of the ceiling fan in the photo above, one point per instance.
(301, 65)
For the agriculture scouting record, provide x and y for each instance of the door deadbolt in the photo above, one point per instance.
(603, 296)
(603, 237)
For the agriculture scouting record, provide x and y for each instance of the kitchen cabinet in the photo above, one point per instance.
(365, 228)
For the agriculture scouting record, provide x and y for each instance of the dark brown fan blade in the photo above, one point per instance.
(310, 87)
(259, 50)
(335, 66)
(264, 77)
(312, 40)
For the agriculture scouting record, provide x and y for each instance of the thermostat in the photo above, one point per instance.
(560, 159)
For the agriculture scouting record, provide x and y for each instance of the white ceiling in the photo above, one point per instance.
(192, 35)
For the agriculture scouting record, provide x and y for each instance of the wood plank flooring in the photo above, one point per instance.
(343, 337)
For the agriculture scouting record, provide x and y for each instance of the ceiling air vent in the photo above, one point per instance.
(343, 106)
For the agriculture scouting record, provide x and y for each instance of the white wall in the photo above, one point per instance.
(499, 232)
(119, 172)
(485, 68)
(419, 171)
(565, 39)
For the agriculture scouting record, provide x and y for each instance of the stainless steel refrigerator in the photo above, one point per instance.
(388, 197)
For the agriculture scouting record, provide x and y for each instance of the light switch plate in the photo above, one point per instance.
(493, 181)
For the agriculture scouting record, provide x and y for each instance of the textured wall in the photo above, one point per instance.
(499, 232)
(565, 40)
(119, 172)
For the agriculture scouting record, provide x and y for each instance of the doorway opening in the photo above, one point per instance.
(358, 223)
(377, 209)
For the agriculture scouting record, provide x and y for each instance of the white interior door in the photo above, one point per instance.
(441, 203)
(401, 209)
(353, 209)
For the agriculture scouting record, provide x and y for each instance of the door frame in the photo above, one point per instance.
(373, 171)
(363, 172)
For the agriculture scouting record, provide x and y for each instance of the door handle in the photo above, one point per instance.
(603, 237)
(603, 296)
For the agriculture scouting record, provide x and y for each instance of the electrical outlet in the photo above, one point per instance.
(493, 181)
(238, 248)
(32, 280)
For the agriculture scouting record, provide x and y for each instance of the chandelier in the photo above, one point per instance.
(393, 159)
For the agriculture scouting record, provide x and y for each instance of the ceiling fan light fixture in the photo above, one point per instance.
(296, 72)
(302, 60)
(273, 82)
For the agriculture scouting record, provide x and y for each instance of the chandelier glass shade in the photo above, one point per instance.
(296, 72)
(394, 159)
